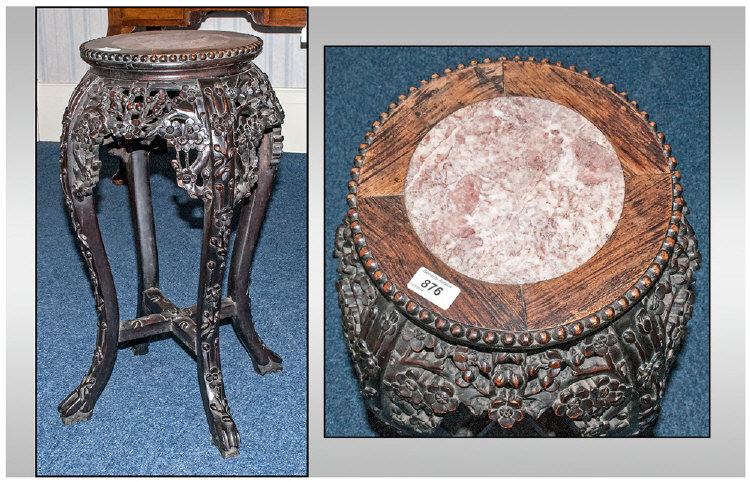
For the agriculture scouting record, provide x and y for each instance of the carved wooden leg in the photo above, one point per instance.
(253, 211)
(213, 262)
(79, 173)
(79, 404)
(139, 189)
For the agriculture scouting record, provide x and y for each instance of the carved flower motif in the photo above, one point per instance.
(185, 177)
(548, 368)
(419, 340)
(407, 386)
(223, 122)
(213, 377)
(440, 398)
(651, 372)
(170, 130)
(251, 129)
(576, 403)
(464, 358)
(161, 97)
(583, 401)
(598, 344)
(466, 361)
(188, 93)
(90, 129)
(609, 391)
(506, 412)
(129, 128)
(184, 135)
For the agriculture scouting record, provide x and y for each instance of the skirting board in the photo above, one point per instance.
(53, 98)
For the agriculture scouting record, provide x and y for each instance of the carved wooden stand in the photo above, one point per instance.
(219, 112)
(587, 353)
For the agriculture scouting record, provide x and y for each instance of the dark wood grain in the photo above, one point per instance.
(615, 267)
(384, 166)
(400, 253)
(629, 134)
(387, 159)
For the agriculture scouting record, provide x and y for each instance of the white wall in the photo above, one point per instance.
(60, 31)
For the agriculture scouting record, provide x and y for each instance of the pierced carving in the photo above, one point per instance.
(138, 110)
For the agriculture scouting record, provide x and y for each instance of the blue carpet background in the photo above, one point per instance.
(150, 420)
(672, 84)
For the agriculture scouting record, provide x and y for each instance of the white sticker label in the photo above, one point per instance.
(109, 49)
(433, 288)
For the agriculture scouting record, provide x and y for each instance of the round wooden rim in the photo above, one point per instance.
(655, 161)
(198, 59)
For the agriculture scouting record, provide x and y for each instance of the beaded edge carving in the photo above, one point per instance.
(247, 52)
(463, 333)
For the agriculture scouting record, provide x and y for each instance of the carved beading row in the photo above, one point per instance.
(609, 382)
(175, 112)
(461, 332)
(250, 51)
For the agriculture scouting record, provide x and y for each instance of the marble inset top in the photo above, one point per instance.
(514, 190)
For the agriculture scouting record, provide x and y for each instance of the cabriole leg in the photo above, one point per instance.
(213, 261)
(79, 171)
(139, 190)
(218, 200)
(253, 211)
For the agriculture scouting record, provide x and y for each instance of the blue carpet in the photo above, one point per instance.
(149, 420)
(672, 84)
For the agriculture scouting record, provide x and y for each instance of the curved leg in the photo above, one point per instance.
(79, 404)
(217, 217)
(215, 235)
(139, 190)
(253, 211)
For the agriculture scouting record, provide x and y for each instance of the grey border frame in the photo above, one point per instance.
(20, 250)
(720, 28)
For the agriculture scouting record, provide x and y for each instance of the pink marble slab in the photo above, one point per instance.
(514, 190)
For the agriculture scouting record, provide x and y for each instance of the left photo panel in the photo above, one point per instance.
(171, 231)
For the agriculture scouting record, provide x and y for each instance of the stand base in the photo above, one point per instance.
(79, 416)
(270, 367)
(227, 454)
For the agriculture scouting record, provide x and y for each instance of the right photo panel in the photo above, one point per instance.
(517, 241)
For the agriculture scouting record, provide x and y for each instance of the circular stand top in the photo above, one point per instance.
(171, 50)
(514, 190)
(613, 169)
